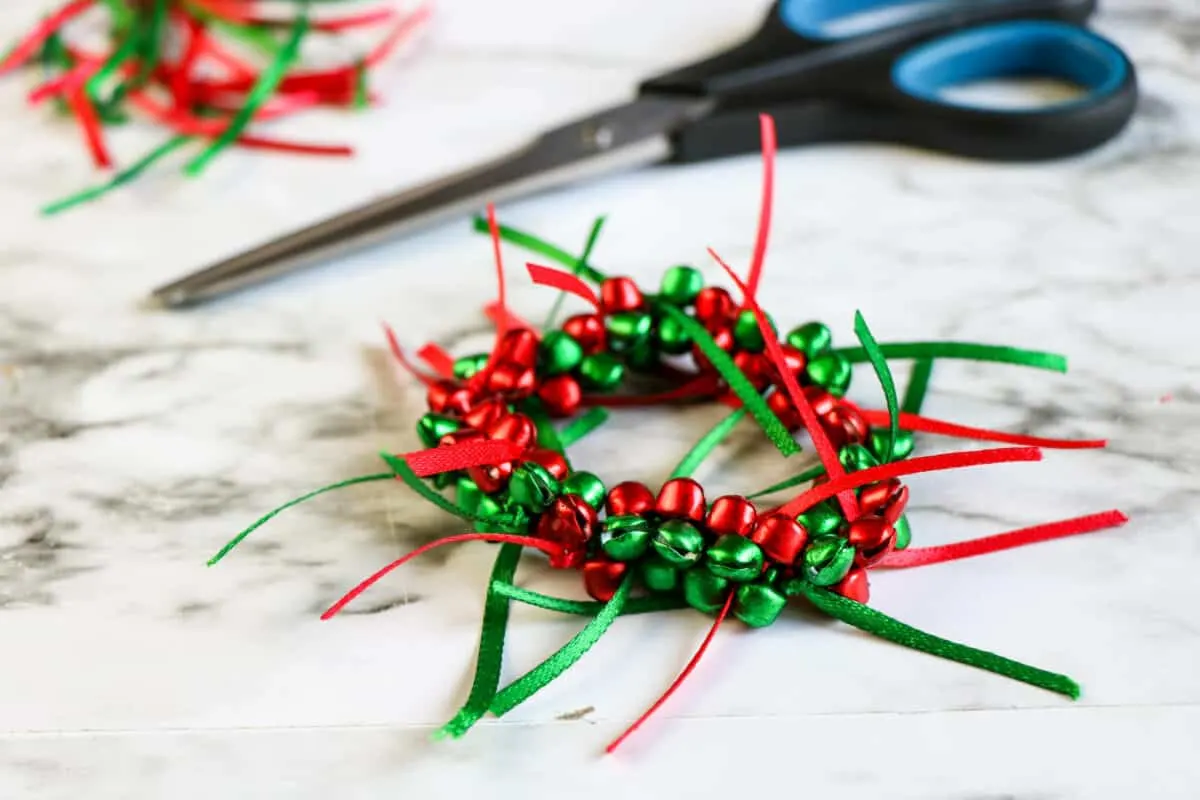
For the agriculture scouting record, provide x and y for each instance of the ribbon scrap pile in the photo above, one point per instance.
(205, 69)
(495, 458)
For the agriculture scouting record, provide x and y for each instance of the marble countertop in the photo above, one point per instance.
(133, 443)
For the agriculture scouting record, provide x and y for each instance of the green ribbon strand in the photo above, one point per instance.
(738, 382)
(918, 385)
(597, 226)
(542, 248)
(406, 474)
(868, 619)
(120, 179)
(540, 676)
(235, 541)
(788, 483)
(583, 425)
(587, 608)
(262, 91)
(962, 350)
(709, 442)
(491, 647)
(884, 374)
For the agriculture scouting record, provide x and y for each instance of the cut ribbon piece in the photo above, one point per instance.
(564, 282)
(438, 360)
(913, 422)
(401, 359)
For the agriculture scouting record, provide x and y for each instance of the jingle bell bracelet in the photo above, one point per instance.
(499, 426)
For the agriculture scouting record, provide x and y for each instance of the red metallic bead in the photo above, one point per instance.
(845, 425)
(629, 497)
(569, 522)
(516, 428)
(855, 586)
(513, 379)
(519, 346)
(588, 330)
(492, 478)
(460, 436)
(895, 507)
(756, 367)
(723, 338)
(555, 463)
(794, 359)
(779, 402)
(822, 402)
(485, 413)
(874, 496)
(620, 294)
(560, 395)
(447, 397)
(602, 578)
(781, 538)
(872, 537)
(681, 497)
(714, 304)
(731, 514)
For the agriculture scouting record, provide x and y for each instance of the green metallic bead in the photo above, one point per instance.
(444, 480)
(758, 605)
(903, 532)
(659, 576)
(432, 427)
(811, 338)
(468, 366)
(855, 457)
(679, 543)
(627, 537)
(533, 487)
(746, 332)
(680, 285)
(489, 511)
(670, 337)
(704, 591)
(496, 516)
(734, 557)
(827, 560)
(602, 371)
(901, 449)
(823, 519)
(559, 353)
(467, 495)
(643, 357)
(587, 486)
(830, 370)
(628, 329)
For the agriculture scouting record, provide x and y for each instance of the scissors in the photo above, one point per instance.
(827, 70)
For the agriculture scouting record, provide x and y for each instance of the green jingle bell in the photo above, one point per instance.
(758, 604)
(643, 357)
(497, 517)
(811, 338)
(670, 337)
(734, 558)
(587, 486)
(855, 457)
(559, 353)
(602, 371)
(467, 495)
(468, 366)
(878, 442)
(746, 333)
(658, 575)
(432, 427)
(823, 519)
(705, 591)
(830, 370)
(680, 285)
(903, 532)
(827, 560)
(626, 537)
(628, 329)
(532, 486)
(678, 543)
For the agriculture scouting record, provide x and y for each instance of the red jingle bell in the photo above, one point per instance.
(602, 578)
(756, 367)
(485, 413)
(447, 397)
(793, 359)
(516, 428)
(822, 402)
(519, 346)
(620, 294)
(873, 497)
(629, 497)
(714, 305)
(731, 514)
(588, 330)
(855, 586)
(872, 537)
(460, 436)
(512, 379)
(723, 338)
(492, 477)
(569, 522)
(682, 498)
(895, 506)
(779, 402)
(845, 425)
(560, 395)
(555, 463)
(781, 538)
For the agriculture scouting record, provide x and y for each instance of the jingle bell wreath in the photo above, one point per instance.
(496, 458)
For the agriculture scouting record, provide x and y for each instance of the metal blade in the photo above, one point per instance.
(633, 134)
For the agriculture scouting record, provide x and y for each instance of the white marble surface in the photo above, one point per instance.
(135, 442)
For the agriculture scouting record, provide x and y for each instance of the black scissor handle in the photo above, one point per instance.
(799, 36)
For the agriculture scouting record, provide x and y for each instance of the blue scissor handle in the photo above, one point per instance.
(829, 20)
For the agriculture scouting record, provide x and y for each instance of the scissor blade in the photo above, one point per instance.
(633, 134)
